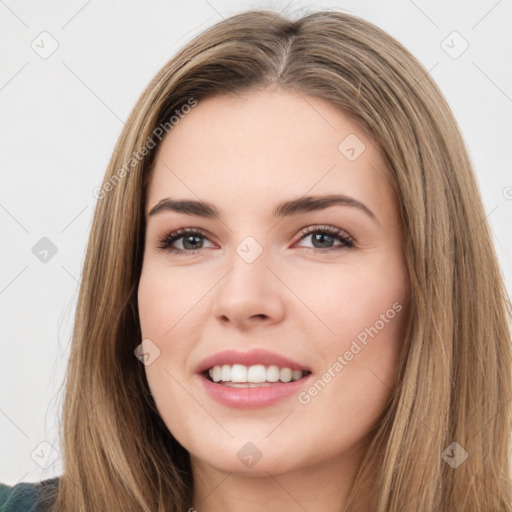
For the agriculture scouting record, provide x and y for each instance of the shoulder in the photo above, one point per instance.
(27, 496)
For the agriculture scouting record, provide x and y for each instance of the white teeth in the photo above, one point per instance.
(296, 374)
(272, 373)
(226, 372)
(216, 373)
(257, 374)
(285, 374)
(238, 373)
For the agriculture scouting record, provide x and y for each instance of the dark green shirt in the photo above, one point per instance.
(28, 497)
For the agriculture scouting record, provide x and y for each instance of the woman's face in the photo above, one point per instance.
(276, 277)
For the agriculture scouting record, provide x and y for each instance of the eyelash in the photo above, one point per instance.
(165, 244)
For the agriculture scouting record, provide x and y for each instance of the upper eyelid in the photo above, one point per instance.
(303, 231)
(323, 227)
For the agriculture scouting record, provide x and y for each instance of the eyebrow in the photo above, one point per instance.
(291, 207)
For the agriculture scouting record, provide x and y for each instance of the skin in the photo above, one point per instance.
(245, 154)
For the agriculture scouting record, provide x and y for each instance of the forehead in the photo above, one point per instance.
(263, 146)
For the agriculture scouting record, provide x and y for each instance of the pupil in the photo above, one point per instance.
(188, 238)
(322, 238)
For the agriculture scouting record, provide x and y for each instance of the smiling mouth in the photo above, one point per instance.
(259, 375)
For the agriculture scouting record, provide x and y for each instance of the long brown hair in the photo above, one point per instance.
(454, 381)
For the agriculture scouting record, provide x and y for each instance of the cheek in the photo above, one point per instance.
(368, 311)
(365, 310)
(166, 297)
(352, 299)
(172, 308)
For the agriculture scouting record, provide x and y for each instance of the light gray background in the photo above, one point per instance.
(61, 116)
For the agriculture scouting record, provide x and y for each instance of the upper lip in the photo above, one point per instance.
(250, 358)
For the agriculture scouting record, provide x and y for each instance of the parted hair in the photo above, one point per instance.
(454, 379)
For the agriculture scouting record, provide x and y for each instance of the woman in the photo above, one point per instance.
(290, 239)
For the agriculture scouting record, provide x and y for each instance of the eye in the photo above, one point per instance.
(323, 238)
(191, 239)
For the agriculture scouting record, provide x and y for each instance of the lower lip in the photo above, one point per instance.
(246, 398)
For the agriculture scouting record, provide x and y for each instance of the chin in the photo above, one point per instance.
(247, 458)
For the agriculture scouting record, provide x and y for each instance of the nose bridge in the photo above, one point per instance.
(248, 290)
(249, 275)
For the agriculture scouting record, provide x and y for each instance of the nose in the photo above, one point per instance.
(249, 295)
